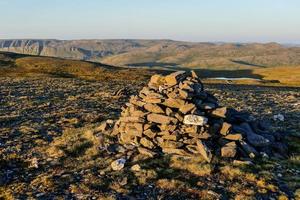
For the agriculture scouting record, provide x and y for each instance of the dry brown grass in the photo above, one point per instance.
(287, 75)
(195, 165)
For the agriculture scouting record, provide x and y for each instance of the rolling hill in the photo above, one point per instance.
(16, 65)
(161, 53)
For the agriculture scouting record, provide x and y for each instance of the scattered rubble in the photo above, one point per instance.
(175, 115)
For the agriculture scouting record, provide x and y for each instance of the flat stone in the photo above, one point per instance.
(194, 75)
(173, 103)
(167, 127)
(137, 113)
(149, 133)
(132, 119)
(128, 139)
(201, 135)
(190, 129)
(169, 137)
(204, 151)
(175, 151)
(184, 94)
(156, 80)
(187, 108)
(186, 85)
(179, 117)
(161, 119)
(174, 78)
(242, 162)
(136, 101)
(152, 100)
(173, 94)
(235, 137)
(153, 108)
(145, 91)
(195, 120)
(225, 129)
(228, 151)
(131, 130)
(169, 144)
(146, 152)
(146, 143)
(138, 126)
(219, 112)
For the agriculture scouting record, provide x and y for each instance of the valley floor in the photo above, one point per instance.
(50, 149)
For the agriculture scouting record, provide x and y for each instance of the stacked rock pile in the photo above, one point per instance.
(174, 115)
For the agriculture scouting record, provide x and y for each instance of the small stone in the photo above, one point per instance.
(242, 162)
(127, 139)
(136, 168)
(226, 127)
(184, 94)
(207, 106)
(278, 117)
(195, 120)
(174, 78)
(251, 152)
(136, 101)
(228, 151)
(103, 127)
(194, 75)
(236, 136)
(156, 80)
(169, 137)
(146, 143)
(146, 152)
(118, 164)
(169, 111)
(186, 108)
(149, 133)
(204, 151)
(179, 117)
(219, 112)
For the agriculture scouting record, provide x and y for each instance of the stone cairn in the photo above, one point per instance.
(174, 115)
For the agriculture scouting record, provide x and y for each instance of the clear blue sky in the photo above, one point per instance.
(189, 20)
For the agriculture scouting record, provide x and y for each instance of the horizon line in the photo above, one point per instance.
(158, 39)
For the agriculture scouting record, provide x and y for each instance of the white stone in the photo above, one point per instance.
(195, 120)
(278, 117)
(118, 164)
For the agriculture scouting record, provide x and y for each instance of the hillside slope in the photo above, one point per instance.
(161, 53)
(18, 65)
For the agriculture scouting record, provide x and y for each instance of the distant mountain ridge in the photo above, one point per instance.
(160, 53)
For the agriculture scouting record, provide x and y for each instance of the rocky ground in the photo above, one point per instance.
(50, 147)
